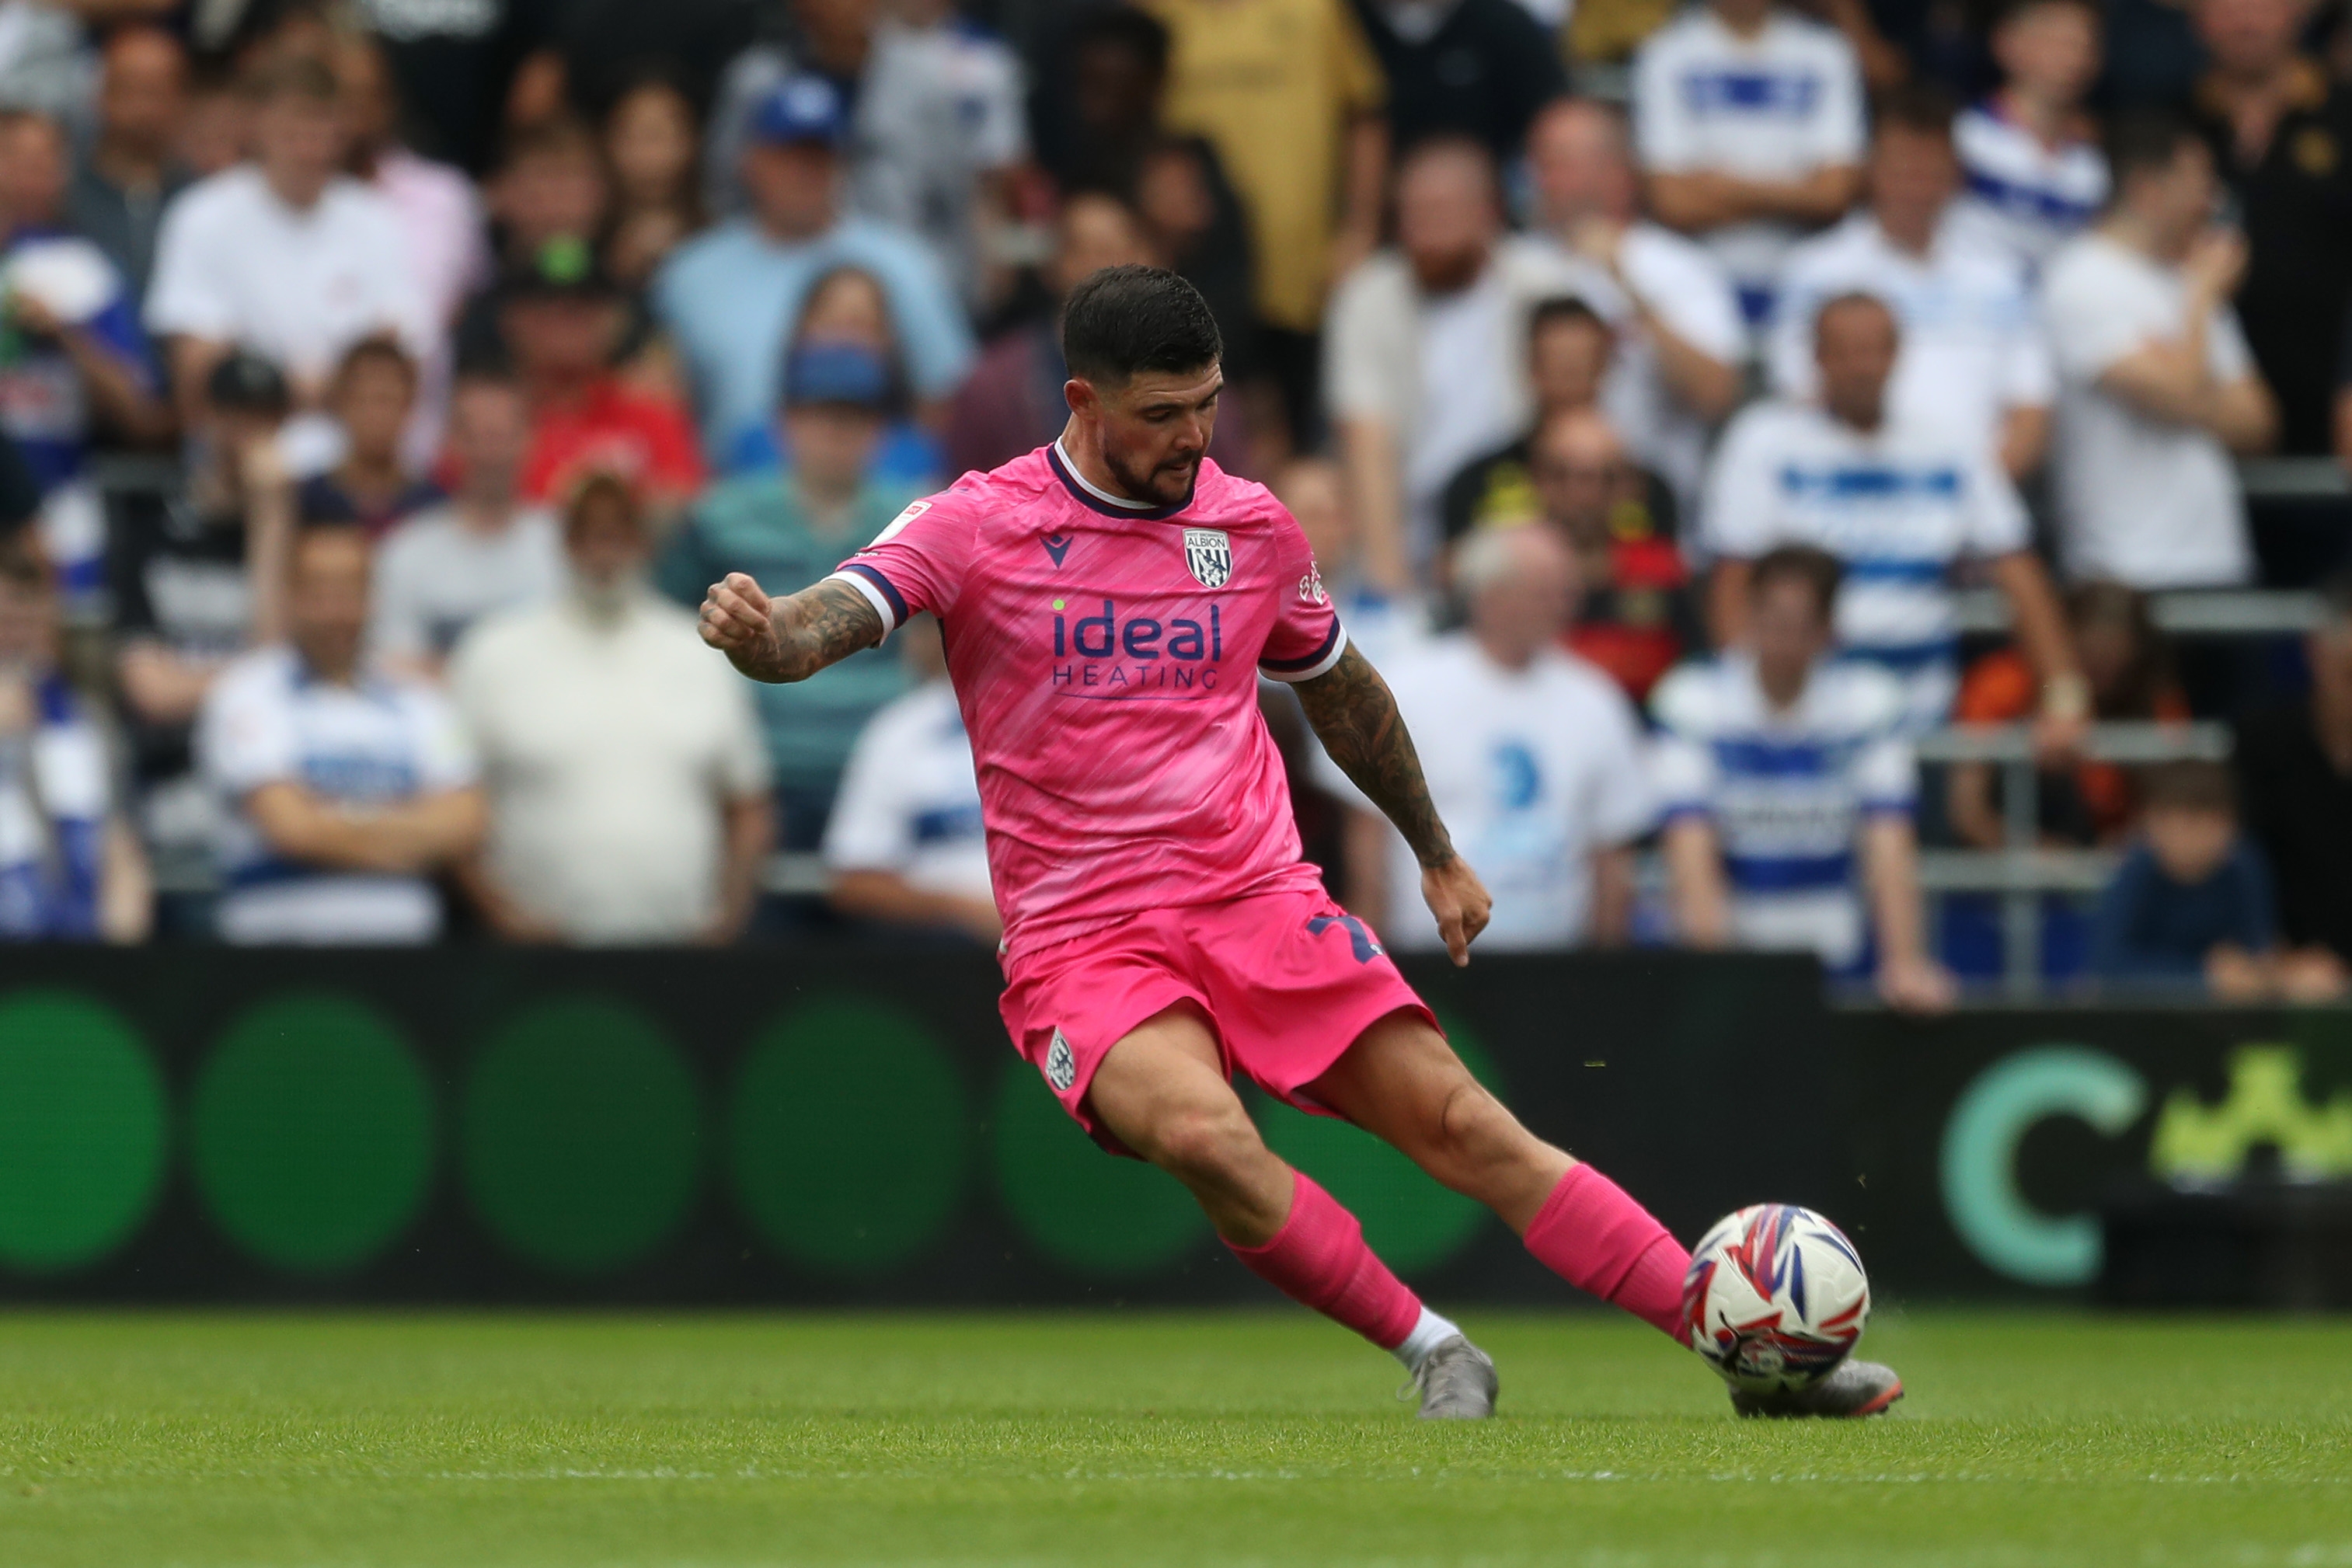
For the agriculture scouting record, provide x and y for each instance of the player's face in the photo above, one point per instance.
(1156, 430)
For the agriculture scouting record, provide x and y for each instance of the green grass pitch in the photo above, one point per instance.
(260, 1441)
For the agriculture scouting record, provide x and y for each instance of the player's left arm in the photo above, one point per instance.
(1355, 716)
(788, 639)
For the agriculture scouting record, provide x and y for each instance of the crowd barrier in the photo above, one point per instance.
(850, 1128)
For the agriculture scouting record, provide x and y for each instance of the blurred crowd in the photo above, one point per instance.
(382, 382)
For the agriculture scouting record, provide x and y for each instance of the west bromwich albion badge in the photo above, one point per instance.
(1210, 556)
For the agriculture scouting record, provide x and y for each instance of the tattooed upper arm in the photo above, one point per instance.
(1356, 717)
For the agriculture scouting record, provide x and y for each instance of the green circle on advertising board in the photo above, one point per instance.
(310, 1132)
(1088, 1211)
(848, 1134)
(578, 1135)
(1409, 1219)
(81, 1131)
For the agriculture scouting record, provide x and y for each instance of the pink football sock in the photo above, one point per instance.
(1598, 1239)
(1319, 1257)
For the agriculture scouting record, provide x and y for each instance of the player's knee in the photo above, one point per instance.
(1472, 1133)
(1205, 1144)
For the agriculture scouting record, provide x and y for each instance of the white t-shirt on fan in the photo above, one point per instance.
(2141, 500)
(1534, 771)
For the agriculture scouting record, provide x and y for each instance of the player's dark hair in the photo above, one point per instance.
(2146, 141)
(1560, 310)
(2191, 784)
(1817, 570)
(1126, 321)
(1919, 106)
(1126, 27)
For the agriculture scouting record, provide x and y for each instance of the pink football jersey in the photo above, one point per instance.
(1106, 656)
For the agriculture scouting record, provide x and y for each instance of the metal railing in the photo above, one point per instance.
(2022, 872)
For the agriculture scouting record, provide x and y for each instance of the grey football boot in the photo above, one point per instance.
(1852, 1388)
(1457, 1382)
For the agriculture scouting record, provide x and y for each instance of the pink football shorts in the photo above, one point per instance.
(1288, 981)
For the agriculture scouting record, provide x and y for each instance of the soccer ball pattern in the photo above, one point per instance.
(1775, 1298)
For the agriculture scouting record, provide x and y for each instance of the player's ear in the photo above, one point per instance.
(1080, 394)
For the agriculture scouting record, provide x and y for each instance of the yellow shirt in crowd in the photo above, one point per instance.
(1272, 84)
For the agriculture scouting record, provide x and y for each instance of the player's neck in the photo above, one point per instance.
(1086, 462)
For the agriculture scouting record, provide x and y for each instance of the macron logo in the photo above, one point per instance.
(1056, 545)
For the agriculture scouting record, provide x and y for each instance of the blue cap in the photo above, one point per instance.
(837, 372)
(801, 109)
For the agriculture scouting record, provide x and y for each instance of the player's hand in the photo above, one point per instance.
(1461, 903)
(738, 620)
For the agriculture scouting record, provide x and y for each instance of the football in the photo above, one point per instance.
(1775, 1298)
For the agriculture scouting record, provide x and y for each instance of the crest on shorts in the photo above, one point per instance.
(1061, 1064)
(1210, 556)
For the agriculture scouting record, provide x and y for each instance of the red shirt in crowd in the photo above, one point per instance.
(614, 430)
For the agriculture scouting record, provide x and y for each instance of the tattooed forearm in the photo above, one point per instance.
(814, 627)
(1352, 709)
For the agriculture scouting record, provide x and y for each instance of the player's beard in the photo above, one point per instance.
(1167, 485)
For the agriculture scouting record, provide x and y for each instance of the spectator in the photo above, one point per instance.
(2191, 903)
(77, 359)
(1481, 68)
(2035, 172)
(372, 397)
(1532, 755)
(196, 578)
(1680, 339)
(1288, 93)
(71, 867)
(287, 256)
(44, 58)
(933, 128)
(729, 297)
(847, 308)
(2295, 776)
(1974, 363)
(346, 789)
(1636, 621)
(1777, 769)
(2152, 59)
(215, 126)
(1181, 193)
(130, 172)
(1900, 503)
(551, 184)
(628, 794)
(1748, 121)
(563, 317)
(904, 848)
(1423, 369)
(2281, 132)
(1314, 489)
(1012, 404)
(1569, 350)
(789, 530)
(653, 146)
(2157, 387)
(2128, 670)
(484, 551)
(440, 215)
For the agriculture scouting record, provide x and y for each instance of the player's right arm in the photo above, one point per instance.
(1355, 715)
(788, 639)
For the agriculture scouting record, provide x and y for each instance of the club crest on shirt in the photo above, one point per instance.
(1061, 1064)
(1209, 555)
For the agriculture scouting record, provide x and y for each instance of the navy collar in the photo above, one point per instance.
(1086, 496)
